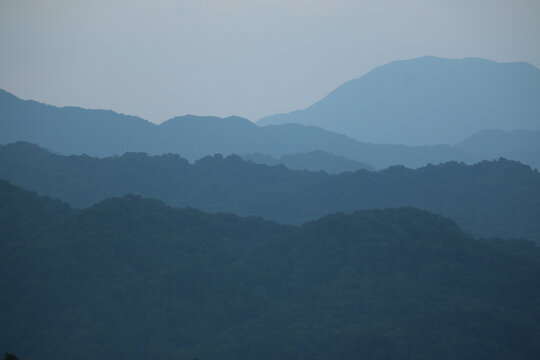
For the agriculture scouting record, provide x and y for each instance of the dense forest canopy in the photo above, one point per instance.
(134, 278)
(490, 198)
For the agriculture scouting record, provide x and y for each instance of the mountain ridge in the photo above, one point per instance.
(413, 101)
(75, 130)
(490, 198)
(516, 144)
(316, 160)
(133, 278)
(79, 131)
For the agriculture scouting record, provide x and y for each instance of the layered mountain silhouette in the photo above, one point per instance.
(428, 100)
(70, 130)
(263, 256)
(102, 133)
(491, 198)
(516, 144)
(421, 101)
(310, 161)
(131, 278)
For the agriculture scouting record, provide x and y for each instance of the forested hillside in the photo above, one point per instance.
(491, 198)
(133, 278)
(311, 161)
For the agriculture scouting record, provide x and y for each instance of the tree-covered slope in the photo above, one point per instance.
(133, 278)
(491, 198)
(311, 161)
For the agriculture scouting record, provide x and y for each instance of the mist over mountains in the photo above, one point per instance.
(72, 130)
(429, 101)
(105, 133)
(497, 198)
(516, 144)
(311, 235)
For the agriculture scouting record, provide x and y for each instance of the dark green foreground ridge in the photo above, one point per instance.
(132, 278)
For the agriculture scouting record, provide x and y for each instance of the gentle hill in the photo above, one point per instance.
(428, 100)
(132, 278)
(258, 158)
(522, 145)
(310, 161)
(23, 213)
(491, 198)
(105, 133)
(70, 130)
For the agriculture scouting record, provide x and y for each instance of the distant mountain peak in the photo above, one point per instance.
(206, 119)
(428, 100)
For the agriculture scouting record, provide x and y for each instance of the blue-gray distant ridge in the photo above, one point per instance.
(71, 130)
(102, 133)
(429, 100)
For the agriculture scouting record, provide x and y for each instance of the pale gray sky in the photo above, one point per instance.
(161, 58)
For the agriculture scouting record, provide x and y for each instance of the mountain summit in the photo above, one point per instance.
(428, 100)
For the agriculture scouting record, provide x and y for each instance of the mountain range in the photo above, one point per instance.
(428, 100)
(520, 145)
(72, 130)
(491, 198)
(310, 161)
(131, 278)
(332, 232)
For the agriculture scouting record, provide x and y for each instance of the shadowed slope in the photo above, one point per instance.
(133, 278)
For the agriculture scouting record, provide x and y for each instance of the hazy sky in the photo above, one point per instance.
(162, 58)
